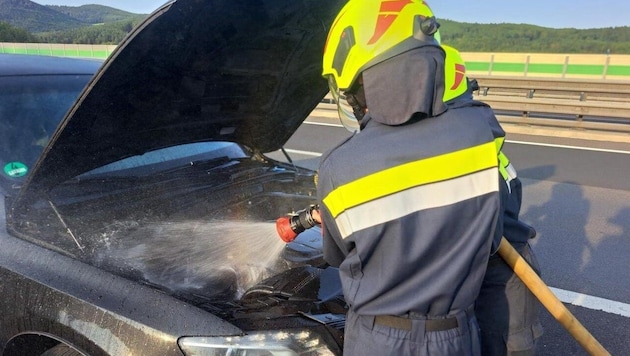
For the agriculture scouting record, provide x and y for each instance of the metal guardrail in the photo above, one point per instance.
(602, 105)
(586, 104)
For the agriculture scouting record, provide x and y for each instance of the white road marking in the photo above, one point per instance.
(316, 123)
(322, 124)
(306, 153)
(591, 302)
(569, 147)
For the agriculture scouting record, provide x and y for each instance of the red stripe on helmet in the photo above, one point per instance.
(460, 73)
(387, 14)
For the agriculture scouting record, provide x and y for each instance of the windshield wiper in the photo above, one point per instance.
(204, 164)
(147, 174)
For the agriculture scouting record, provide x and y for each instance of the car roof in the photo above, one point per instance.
(22, 64)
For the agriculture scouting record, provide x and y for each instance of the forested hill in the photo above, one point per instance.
(26, 21)
(469, 37)
(94, 14)
(33, 17)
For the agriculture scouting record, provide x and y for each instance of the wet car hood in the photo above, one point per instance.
(196, 70)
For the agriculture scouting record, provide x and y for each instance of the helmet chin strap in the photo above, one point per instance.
(357, 108)
(356, 99)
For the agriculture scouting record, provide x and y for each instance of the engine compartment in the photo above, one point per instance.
(206, 238)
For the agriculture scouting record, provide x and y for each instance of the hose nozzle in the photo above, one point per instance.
(288, 227)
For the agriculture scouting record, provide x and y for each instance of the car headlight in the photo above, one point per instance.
(266, 343)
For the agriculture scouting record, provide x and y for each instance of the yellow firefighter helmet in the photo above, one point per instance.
(455, 81)
(367, 32)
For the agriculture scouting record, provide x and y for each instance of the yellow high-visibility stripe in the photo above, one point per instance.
(412, 174)
(508, 172)
(504, 162)
(499, 143)
(428, 196)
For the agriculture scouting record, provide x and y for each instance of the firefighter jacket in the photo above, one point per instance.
(409, 212)
(514, 230)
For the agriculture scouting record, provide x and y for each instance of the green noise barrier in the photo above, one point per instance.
(553, 65)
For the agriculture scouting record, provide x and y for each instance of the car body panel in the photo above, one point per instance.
(241, 71)
(116, 244)
(99, 310)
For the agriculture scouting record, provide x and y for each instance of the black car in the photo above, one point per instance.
(139, 203)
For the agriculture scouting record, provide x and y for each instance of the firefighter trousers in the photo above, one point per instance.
(507, 311)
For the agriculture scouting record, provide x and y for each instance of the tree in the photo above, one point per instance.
(9, 33)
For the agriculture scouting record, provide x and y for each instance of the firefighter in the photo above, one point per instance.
(507, 311)
(410, 203)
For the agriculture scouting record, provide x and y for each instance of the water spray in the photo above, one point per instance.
(288, 227)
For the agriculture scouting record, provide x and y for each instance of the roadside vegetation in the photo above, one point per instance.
(468, 37)
(108, 33)
(25, 21)
(10, 33)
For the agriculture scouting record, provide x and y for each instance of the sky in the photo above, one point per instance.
(547, 13)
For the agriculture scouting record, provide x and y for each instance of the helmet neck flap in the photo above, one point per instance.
(405, 87)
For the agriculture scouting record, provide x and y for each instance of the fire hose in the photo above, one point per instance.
(288, 227)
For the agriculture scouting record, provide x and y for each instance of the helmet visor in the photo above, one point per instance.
(346, 115)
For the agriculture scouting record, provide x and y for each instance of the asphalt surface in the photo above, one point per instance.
(577, 196)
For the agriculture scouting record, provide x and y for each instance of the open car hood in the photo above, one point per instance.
(196, 70)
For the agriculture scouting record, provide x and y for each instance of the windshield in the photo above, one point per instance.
(31, 107)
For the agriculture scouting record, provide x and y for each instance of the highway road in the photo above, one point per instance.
(577, 196)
